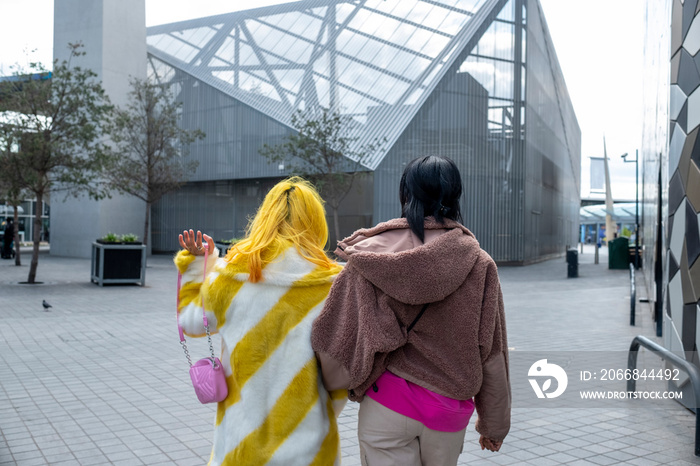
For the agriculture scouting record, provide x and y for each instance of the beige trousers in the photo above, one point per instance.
(388, 438)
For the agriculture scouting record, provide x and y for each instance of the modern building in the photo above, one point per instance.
(670, 173)
(475, 80)
(28, 208)
(114, 38)
(27, 211)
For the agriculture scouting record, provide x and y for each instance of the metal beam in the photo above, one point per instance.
(261, 57)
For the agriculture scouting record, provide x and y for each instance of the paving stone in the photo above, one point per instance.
(581, 453)
(29, 462)
(121, 456)
(522, 455)
(20, 457)
(94, 460)
(59, 457)
(575, 442)
(102, 400)
(559, 447)
(579, 463)
(160, 458)
(23, 448)
(641, 462)
(602, 460)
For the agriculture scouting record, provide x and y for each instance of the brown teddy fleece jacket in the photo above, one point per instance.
(458, 348)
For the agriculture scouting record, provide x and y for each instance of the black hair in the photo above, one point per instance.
(430, 186)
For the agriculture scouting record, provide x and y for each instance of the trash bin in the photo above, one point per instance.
(572, 262)
(619, 254)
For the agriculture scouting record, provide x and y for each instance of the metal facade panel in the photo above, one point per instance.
(552, 149)
(356, 57)
(223, 208)
(476, 120)
(234, 131)
(219, 208)
(513, 136)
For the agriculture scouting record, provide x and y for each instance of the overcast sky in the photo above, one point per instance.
(599, 44)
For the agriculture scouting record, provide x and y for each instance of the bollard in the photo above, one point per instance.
(572, 262)
(633, 295)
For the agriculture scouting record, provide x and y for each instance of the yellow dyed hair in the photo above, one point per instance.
(292, 214)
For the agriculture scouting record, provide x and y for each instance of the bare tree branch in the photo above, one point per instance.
(147, 157)
(321, 151)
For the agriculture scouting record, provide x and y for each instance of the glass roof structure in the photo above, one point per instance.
(355, 57)
(622, 212)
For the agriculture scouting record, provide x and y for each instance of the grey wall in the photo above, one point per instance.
(468, 118)
(478, 115)
(552, 149)
(223, 208)
(234, 131)
(503, 114)
(232, 178)
(114, 35)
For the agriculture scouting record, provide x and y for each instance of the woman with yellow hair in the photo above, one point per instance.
(262, 299)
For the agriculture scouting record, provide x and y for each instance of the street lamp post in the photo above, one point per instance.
(636, 205)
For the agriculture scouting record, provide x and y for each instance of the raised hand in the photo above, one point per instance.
(193, 243)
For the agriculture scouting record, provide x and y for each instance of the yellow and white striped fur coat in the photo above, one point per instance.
(277, 411)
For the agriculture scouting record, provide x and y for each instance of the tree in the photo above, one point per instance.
(322, 151)
(148, 150)
(57, 120)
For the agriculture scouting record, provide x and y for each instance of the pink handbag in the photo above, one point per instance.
(207, 374)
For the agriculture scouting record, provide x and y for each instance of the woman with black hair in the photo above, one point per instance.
(414, 326)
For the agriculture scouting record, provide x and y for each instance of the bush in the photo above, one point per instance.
(114, 238)
(229, 241)
(110, 238)
(130, 238)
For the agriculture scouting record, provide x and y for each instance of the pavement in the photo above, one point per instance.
(100, 378)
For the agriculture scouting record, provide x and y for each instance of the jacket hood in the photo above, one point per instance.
(394, 260)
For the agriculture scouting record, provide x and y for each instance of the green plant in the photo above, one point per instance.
(130, 238)
(229, 241)
(323, 150)
(110, 238)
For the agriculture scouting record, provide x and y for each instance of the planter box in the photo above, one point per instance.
(118, 263)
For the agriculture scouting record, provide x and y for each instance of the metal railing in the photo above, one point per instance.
(680, 363)
(633, 295)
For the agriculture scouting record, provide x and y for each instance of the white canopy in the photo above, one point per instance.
(622, 213)
(7, 210)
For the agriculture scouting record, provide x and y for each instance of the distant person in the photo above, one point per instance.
(8, 238)
(418, 386)
(262, 298)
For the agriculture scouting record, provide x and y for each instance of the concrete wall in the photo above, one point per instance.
(113, 33)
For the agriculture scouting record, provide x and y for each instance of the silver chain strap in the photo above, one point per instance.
(187, 353)
(211, 346)
(206, 327)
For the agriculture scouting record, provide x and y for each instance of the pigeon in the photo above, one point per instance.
(46, 305)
